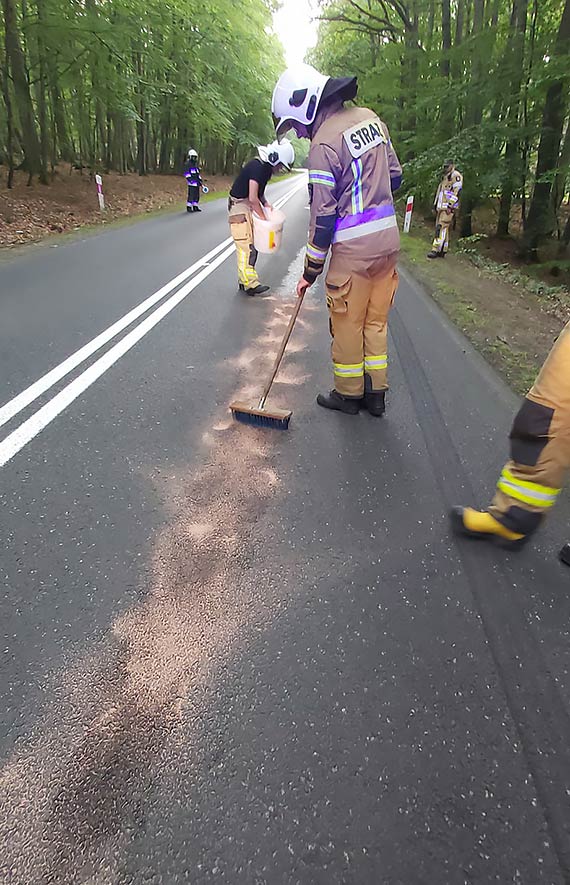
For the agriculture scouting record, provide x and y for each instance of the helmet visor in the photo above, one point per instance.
(282, 125)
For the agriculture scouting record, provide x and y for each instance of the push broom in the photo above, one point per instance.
(259, 416)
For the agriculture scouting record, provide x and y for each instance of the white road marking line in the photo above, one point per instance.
(27, 396)
(30, 428)
(40, 419)
(12, 408)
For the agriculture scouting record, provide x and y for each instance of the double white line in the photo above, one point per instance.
(30, 428)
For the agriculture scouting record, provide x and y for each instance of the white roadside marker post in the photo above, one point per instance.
(408, 215)
(99, 183)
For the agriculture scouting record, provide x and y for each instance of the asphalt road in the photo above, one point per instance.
(244, 656)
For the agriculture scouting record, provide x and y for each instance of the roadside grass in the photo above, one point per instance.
(512, 319)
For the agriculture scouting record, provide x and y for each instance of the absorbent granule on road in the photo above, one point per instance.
(72, 794)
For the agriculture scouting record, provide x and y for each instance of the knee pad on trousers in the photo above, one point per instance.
(529, 434)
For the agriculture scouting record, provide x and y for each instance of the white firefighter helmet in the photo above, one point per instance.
(298, 94)
(192, 153)
(278, 153)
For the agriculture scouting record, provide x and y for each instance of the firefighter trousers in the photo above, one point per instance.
(540, 446)
(359, 305)
(193, 197)
(443, 223)
(241, 227)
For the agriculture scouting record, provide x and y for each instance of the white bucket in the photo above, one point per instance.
(267, 232)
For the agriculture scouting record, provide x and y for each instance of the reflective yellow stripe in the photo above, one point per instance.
(246, 272)
(321, 176)
(349, 370)
(376, 362)
(527, 492)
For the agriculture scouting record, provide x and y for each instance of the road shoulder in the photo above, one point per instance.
(510, 320)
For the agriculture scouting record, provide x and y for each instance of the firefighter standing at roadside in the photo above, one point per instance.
(193, 180)
(247, 195)
(445, 206)
(353, 170)
(540, 457)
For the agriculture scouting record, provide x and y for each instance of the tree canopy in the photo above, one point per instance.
(125, 84)
(485, 82)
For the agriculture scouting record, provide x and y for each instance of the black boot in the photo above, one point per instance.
(197, 209)
(257, 290)
(374, 400)
(334, 400)
(565, 554)
(433, 254)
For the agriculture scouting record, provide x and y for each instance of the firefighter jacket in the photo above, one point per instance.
(448, 192)
(192, 175)
(353, 170)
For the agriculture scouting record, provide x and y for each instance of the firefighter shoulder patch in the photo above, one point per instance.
(364, 136)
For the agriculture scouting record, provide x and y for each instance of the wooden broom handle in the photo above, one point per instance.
(281, 350)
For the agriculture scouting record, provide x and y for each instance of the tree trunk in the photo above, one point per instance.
(559, 185)
(42, 93)
(473, 117)
(5, 78)
(22, 94)
(446, 109)
(565, 239)
(445, 37)
(539, 218)
(515, 65)
(410, 75)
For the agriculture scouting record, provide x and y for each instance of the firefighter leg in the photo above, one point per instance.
(192, 198)
(440, 243)
(540, 446)
(531, 481)
(347, 301)
(383, 289)
(242, 232)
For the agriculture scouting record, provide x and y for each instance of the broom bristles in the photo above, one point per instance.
(278, 419)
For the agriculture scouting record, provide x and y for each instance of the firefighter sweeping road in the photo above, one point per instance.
(236, 655)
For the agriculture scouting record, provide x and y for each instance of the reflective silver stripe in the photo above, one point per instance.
(318, 254)
(355, 371)
(319, 176)
(361, 230)
(526, 495)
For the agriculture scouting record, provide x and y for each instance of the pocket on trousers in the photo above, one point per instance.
(239, 228)
(395, 283)
(337, 289)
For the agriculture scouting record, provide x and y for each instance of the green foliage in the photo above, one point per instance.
(131, 84)
(476, 95)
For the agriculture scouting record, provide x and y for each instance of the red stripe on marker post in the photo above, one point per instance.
(408, 215)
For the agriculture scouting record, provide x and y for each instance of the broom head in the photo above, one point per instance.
(278, 419)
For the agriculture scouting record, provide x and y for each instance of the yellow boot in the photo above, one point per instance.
(481, 525)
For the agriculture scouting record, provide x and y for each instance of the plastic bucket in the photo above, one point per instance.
(267, 232)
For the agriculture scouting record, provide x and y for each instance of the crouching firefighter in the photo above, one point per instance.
(193, 180)
(353, 170)
(445, 205)
(247, 195)
(531, 481)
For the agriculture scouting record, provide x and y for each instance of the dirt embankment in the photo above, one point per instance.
(509, 311)
(28, 214)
